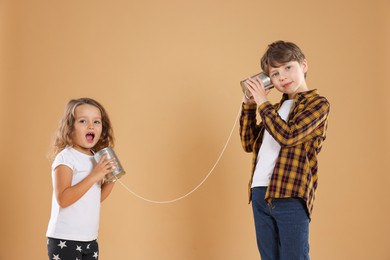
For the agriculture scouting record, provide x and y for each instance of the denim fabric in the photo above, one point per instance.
(282, 227)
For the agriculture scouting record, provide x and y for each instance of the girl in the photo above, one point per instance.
(78, 187)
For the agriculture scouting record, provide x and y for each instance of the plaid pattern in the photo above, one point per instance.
(301, 139)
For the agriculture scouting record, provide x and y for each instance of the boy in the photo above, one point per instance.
(285, 146)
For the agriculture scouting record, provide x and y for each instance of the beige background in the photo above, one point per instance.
(168, 73)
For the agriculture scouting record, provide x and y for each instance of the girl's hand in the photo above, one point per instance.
(103, 167)
(256, 87)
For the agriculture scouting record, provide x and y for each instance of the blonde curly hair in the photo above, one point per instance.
(63, 135)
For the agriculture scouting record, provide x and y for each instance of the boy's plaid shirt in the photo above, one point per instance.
(300, 138)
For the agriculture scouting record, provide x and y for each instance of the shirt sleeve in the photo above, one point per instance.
(62, 159)
(308, 123)
(248, 126)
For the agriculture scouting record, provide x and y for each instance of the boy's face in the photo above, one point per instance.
(289, 78)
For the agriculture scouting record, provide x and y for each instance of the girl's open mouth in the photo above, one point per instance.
(90, 136)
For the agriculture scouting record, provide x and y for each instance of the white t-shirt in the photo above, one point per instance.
(79, 221)
(269, 151)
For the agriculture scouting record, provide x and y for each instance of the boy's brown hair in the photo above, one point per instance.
(279, 53)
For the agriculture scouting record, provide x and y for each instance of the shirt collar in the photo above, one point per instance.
(302, 95)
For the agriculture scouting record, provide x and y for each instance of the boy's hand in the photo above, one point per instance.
(250, 100)
(256, 87)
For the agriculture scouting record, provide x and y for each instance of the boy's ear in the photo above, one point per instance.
(304, 65)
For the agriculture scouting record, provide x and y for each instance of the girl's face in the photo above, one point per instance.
(289, 78)
(87, 128)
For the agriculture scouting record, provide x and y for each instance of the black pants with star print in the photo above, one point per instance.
(60, 249)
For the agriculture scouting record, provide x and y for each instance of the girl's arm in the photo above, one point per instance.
(106, 190)
(66, 194)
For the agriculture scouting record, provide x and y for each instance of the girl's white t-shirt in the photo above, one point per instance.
(269, 151)
(79, 221)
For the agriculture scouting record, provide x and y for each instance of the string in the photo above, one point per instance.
(196, 187)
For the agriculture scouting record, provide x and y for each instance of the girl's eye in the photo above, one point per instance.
(82, 121)
(97, 122)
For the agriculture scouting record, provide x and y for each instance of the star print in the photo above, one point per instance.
(88, 246)
(62, 244)
(56, 257)
(78, 248)
(95, 254)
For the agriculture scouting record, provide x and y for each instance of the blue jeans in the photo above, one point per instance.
(282, 227)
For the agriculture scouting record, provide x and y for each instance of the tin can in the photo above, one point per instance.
(119, 172)
(264, 78)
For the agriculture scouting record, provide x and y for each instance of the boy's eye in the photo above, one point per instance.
(274, 74)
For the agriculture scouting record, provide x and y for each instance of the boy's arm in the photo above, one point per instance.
(248, 127)
(306, 125)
